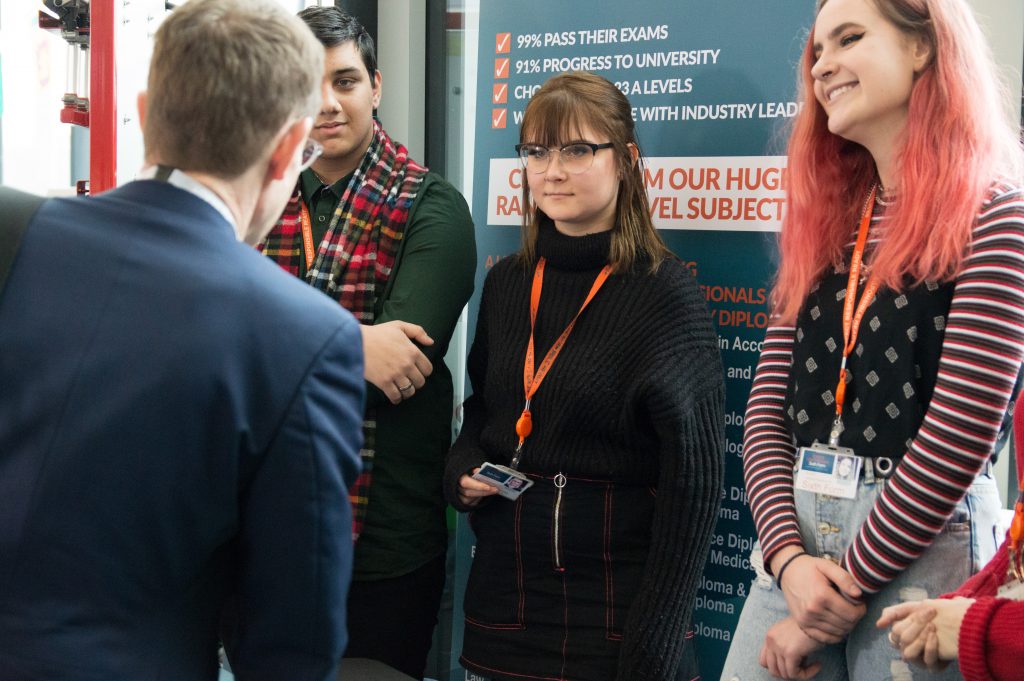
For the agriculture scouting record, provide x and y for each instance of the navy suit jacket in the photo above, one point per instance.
(180, 421)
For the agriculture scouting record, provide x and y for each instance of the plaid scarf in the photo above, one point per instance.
(354, 261)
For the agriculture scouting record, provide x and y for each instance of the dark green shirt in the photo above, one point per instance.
(321, 200)
(430, 284)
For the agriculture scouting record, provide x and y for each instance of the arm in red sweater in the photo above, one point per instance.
(991, 644)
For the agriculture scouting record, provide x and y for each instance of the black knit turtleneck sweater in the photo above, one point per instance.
(636, 396)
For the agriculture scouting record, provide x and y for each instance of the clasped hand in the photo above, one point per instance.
(393, 362)
(822, 597)
(824, 607)
(473, 491)
(785, 650)
(927, 633)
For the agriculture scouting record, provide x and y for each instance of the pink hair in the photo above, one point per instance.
(957, 141)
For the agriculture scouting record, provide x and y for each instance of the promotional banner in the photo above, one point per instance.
(712, 86)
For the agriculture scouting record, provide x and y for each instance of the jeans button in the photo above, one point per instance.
(824, 528)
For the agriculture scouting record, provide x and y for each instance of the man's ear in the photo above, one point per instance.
(288, 144)
(140, 104)
(376, 88)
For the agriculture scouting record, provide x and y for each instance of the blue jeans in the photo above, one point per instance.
(828, 525)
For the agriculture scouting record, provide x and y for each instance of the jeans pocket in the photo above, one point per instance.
(959, 522)
(983, 506)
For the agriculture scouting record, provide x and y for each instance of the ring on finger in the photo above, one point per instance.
(406, 388)
(893, 640)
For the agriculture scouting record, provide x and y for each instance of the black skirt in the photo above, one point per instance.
(553, 577)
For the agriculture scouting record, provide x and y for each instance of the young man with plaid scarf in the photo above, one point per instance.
(393, 243)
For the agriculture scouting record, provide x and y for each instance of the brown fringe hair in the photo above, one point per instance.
(559, 110)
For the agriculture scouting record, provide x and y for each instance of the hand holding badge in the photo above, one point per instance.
(510, 483)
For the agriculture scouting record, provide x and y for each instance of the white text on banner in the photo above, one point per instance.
(724, 193)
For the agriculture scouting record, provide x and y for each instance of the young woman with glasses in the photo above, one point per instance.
(897, 338)
(596, 378)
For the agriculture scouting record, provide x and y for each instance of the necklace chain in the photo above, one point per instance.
(879, 194)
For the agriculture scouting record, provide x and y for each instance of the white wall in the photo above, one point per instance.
(401, 58)
(36, 145)
(1003, 23)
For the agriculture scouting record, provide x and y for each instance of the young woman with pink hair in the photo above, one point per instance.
(897, 337)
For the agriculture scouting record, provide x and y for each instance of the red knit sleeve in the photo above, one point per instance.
(991, 644)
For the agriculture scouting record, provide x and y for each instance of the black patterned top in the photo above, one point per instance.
(890, 375)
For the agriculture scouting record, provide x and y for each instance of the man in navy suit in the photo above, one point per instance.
(179, 419)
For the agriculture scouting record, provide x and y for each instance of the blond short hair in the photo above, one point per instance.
(225, 77)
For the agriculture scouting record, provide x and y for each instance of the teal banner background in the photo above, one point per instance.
(713, 87)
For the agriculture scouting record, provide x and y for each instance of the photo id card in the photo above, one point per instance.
(824, 469)
(510, 483)
(1012, 590)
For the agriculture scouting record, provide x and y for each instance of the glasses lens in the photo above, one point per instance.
(534, 157)
(577, 158)
(310, 153)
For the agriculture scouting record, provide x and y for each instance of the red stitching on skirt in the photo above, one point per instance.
(502, 671)
(609, 585)
(497, 627)
(519, 563)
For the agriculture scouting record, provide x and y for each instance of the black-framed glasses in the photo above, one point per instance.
(310, 153)
(576, 157)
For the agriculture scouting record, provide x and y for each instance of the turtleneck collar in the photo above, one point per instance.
(574, 253)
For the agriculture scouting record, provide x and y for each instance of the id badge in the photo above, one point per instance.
(824, 469)
(510, 483)
(1012, 590)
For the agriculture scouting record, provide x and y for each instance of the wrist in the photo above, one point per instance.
(776, 558)
(785, 564)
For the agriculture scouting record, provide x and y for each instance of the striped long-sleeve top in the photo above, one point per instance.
(930, 390)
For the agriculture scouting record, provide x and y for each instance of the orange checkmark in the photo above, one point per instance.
(501, 93)
(498, 118)
(502, 43)
(501, 67)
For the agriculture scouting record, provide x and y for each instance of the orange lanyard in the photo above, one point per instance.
(851, 319)
(532, 381)
(1017, 536)
(307, 235)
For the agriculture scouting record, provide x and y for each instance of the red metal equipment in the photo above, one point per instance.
(90, 99)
